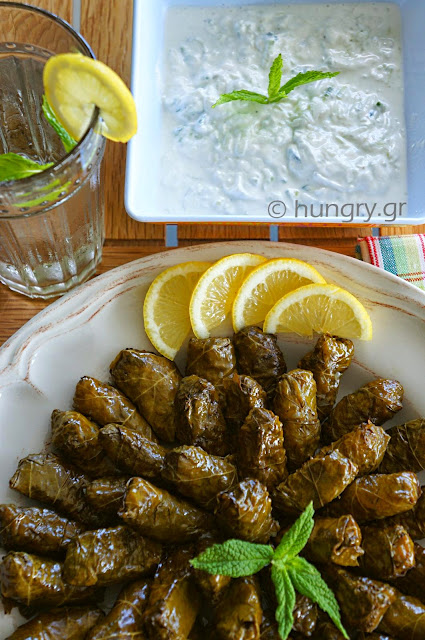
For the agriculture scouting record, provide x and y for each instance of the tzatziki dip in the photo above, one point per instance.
(338, 140)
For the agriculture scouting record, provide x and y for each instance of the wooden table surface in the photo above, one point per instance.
(107, 26)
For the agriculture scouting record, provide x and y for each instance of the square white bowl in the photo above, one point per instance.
(143, 174)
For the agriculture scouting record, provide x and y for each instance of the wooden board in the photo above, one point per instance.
(107, 26)
(61, 8)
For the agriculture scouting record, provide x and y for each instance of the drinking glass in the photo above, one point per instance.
(51, 224)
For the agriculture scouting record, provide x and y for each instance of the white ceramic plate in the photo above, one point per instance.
(143, 173)
(82, 332)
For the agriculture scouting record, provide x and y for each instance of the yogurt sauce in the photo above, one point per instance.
(337, 140)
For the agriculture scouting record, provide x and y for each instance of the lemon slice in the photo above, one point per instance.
(166, 306)
(75, 84)
(320, 308)
(267, 284)
(213, 296)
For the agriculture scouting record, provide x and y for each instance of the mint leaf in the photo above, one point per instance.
(49, 193)
(304, 78)
(67, 140)
(275, 92)
(285, 595)
(296, 538)
(308, 581)
(249, 96)
(275, 76)
(15, 167)
(234, 558)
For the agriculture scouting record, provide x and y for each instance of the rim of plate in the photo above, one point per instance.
(88, 299)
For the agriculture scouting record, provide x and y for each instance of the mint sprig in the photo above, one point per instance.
(285, 595)
(234, 558)
(15, 167)
(48, 193)
(290, 572)
(308, 581)
(67, 140)
(247, 96)
(276, 92)
(295, 539)
(275, 77)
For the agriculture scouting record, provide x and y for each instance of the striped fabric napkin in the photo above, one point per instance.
(404, 256)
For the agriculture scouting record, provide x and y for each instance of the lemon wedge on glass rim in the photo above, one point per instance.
(320, 308)
(75, 84)
(213, 296)
(267, 284)
(166, 307)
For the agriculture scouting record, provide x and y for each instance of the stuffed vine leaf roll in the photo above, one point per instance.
(365, 446)
(305, 612)
(77, 440)
(326, 630)
(260, 450)
(241, 394)
(106, 405)
(321, 480)
(269, 629)
(246, 512)
(36, 530)
(212, 359)
(413, 583)
(199, 418)
(35, 581)
(363, 602)
(259, 356)
(125, 620)
(405, 619)
(374, 636)
(239, 614)
(295, 404)
(151, 382)
(131, 452)
(336, 540)
(406, 449)
(329, 359)
(212, 586)
(201, 630)
(377, 401)
(378, 496)
(106, 494)
(414, 519)
(109, 556)
(164, 517)
(46, 478)
(388, 552)
(174, 600)
(305, 615)
(198, 475)
(70, 623)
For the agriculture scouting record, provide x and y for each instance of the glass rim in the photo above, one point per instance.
(94, 119)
